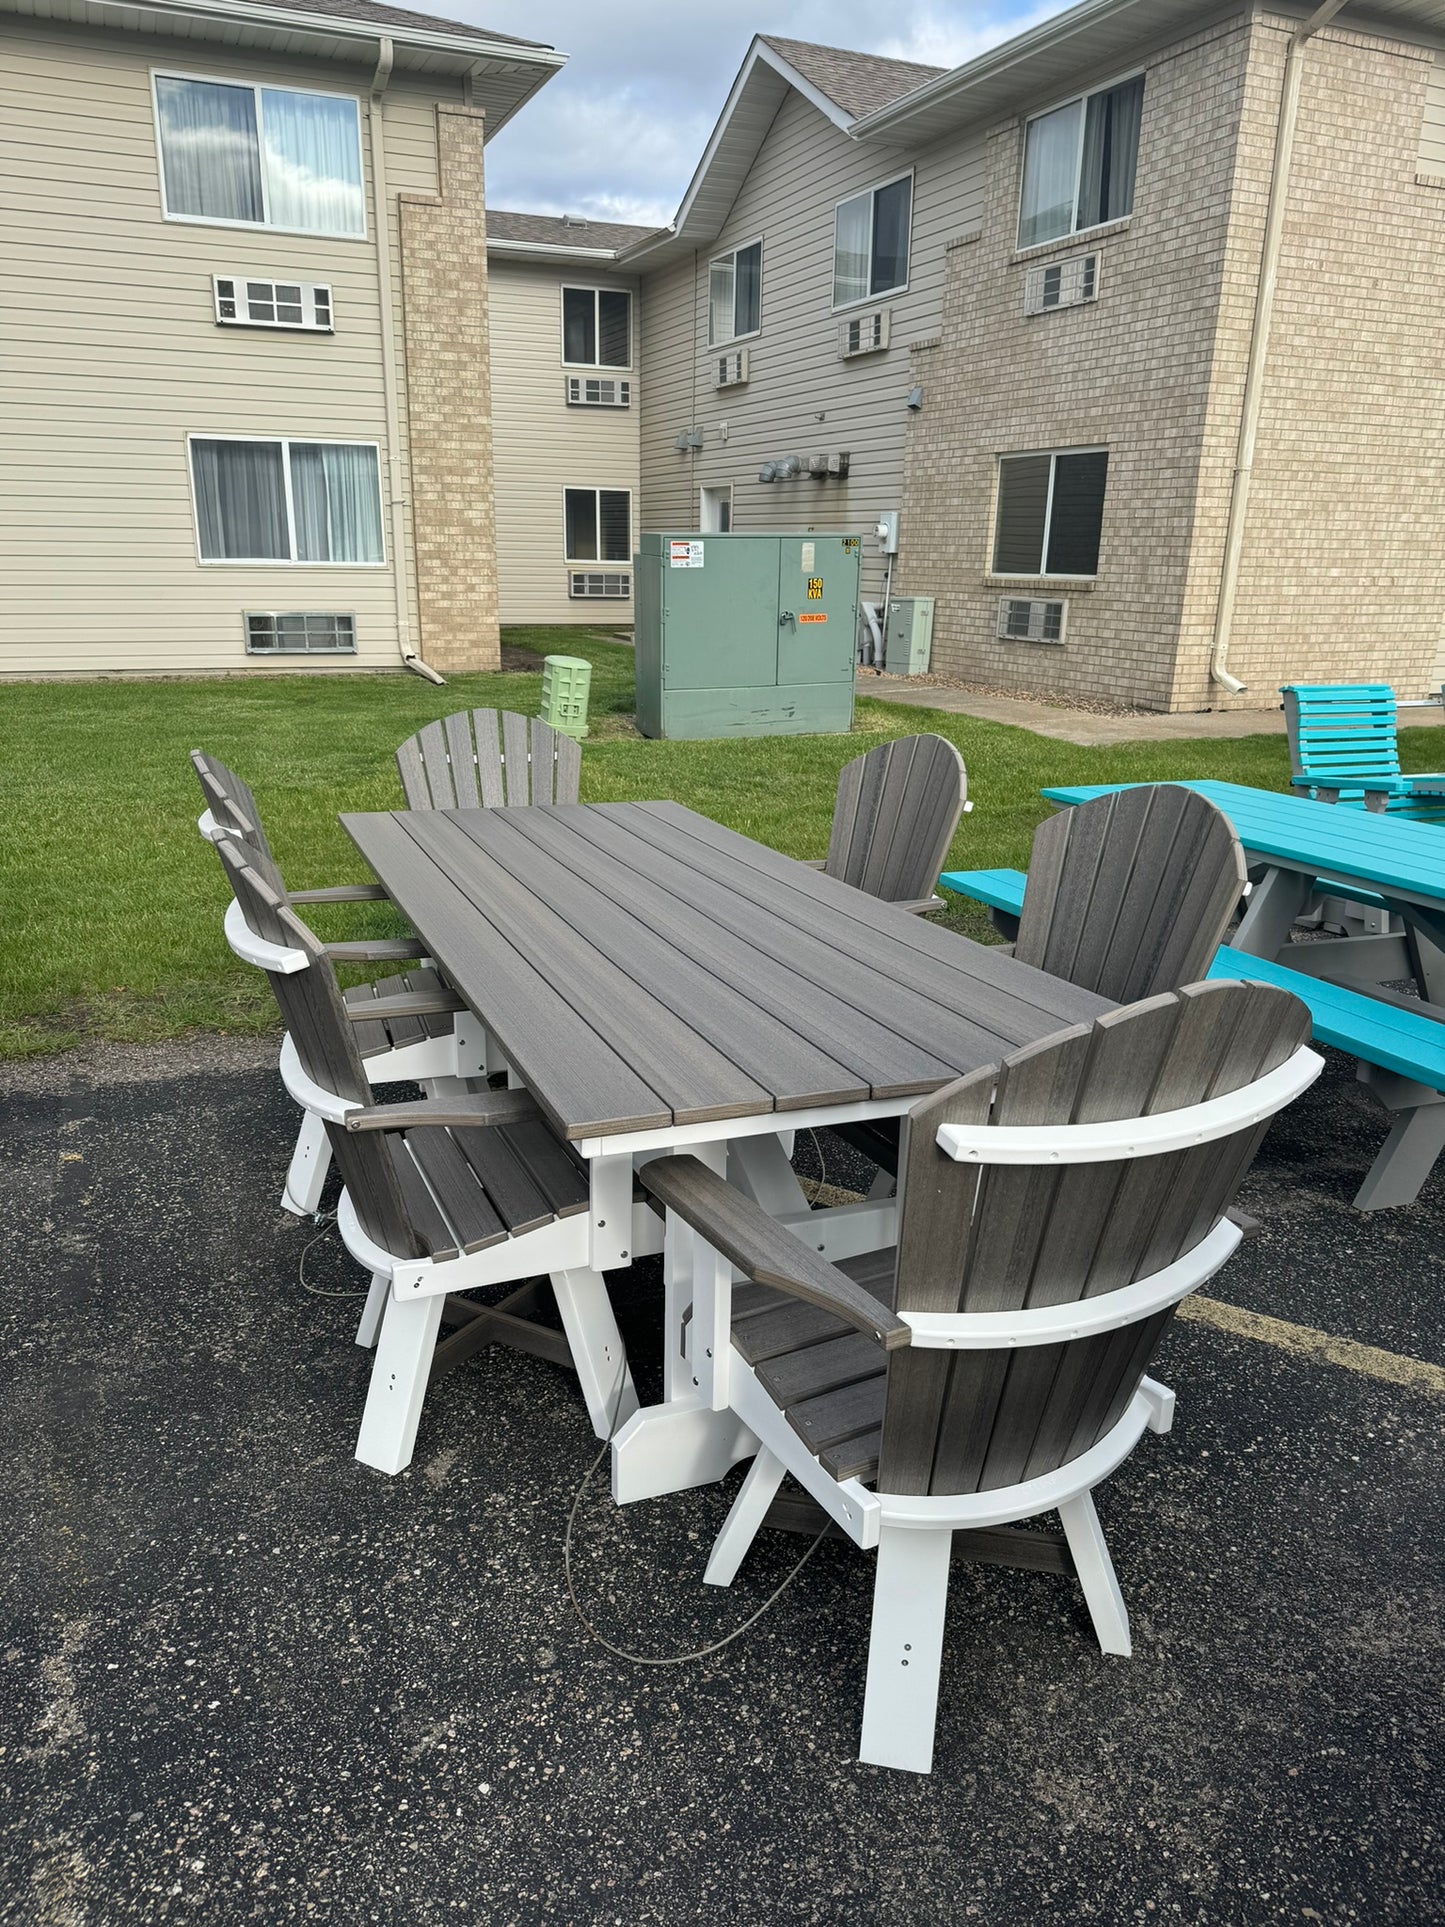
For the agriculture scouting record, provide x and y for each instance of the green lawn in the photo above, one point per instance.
(113, 903)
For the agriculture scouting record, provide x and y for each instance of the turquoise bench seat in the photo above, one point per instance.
(1409, 1044)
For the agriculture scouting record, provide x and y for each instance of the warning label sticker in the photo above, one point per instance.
(685, 555)
(812, 618)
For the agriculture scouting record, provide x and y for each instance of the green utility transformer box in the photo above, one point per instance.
(746, 635)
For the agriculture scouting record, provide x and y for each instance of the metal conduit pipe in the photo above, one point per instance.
(380, 80)
(1259, 343)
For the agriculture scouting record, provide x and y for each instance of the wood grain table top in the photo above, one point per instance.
(640, 966)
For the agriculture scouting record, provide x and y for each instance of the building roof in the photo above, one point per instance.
(859, 83)
(371, 13)
(568, 232)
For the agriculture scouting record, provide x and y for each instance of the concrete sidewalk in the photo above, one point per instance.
(247, 1681)
(1091, 731)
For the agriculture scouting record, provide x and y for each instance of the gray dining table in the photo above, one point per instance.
(660, 983)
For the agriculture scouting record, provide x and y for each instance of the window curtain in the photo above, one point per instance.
(240, 501)
(720, 285)
(615, 520)
(1051, 159)
(1111, 154)
(313, 162)
(337, 502)
(748, 291)
(890, 236)
(851, 249)
(209, 150)
(614, 329)
(579, 326)
(581, 532)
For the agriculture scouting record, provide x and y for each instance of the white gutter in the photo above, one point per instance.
(381, 210)
(1259, 343)
(549, 250)
(336, 27)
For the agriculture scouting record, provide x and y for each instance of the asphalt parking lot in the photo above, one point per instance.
(246, 1680)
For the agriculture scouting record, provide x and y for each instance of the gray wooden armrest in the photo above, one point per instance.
(919, 905)
(341, 893)
(455, 1113)
(411, 1003)
(378, 950)
(764, 1250)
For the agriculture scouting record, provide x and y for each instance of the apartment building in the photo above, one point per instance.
(245, 347)
(566, 403)
(1135, 321)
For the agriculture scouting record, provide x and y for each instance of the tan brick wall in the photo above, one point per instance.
(1130, 371)
(444, 279)
(1343, 571)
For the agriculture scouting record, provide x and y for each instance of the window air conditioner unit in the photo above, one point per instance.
(299, 633)
(864, 334)
(244, 303)
(1061, 284)
(591, 584)
(732, 369)
(597, 391)
(1030, 619)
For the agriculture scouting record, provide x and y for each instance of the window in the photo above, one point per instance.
(1079, 164)
(243, 303)
(599, 524)
(299, 634)
(597, 327)
(311, 502)
(1050, 510)
(735, 294)
(870, 242)
(260, 156)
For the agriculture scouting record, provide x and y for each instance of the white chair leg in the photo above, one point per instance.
(1096, 1574)
(749, 1509)
(905, 1648)
(371, 1312)
(597, 1350)
(306, 1174)
(398, 1383)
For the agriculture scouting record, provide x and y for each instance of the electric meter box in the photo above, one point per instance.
(908, 638)
(745, 635)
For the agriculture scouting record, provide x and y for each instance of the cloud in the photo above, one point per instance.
(619, 131)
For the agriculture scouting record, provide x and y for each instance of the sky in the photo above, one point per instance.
(616, 135)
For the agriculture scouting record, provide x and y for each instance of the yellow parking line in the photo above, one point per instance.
(1369, 1360)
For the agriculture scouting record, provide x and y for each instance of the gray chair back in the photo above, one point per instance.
(1007, 1237)
(230, 801)
(1131, 893)
(897, 808)
(487, 758)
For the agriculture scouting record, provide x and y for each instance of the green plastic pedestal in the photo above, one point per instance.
(566, 686)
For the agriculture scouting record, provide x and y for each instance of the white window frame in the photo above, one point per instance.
(594, 562)
(266, 225)
(1074, 233)
(594, 289)
(1040, 575)
(293, 561)
(875, 294)
(731, 254)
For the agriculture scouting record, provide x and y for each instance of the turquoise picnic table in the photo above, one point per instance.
(1299, 852)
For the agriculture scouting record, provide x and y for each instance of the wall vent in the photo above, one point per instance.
(864, 334)
(244, 303)
(1062, 284)
(1029, 619)
(300, 633)
(732, 369)
(598, 391)
(591, 584)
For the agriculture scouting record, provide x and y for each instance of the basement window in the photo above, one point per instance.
(300, 633)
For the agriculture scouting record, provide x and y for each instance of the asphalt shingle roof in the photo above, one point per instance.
(373, 13)
(562, 230)
(859, 83)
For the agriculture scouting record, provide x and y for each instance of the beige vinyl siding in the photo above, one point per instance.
(801, 398)
(112, 356)
(541, 445)
(1432, 125)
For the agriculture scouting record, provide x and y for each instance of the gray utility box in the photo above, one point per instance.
(745, 635)
(908, 638)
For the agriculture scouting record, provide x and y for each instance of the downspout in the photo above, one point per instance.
(1259, 343)
(387, 304)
